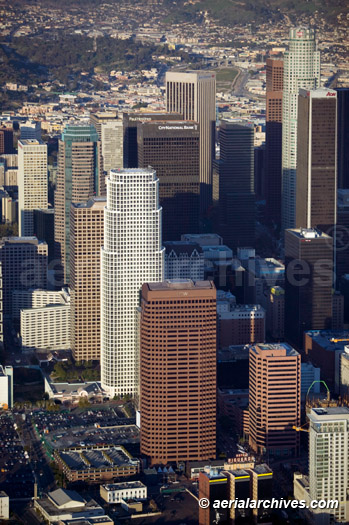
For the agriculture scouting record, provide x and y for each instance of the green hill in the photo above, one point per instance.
(229, 12)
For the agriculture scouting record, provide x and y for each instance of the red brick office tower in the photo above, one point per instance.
(178, 371)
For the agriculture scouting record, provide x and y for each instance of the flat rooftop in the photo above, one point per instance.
(99, 458)
(91, 202)
(233, 353)
(262, 469)
(330, 340)
(31, 142)
(308, 233)
(124, 485)
(274, 347)
(180, 284)
(319, 415)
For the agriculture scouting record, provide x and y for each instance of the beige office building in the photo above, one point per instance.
(32, 183)
(112, 135)
(86, 240)
(193, 94)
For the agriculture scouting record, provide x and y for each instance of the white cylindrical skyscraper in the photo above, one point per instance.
(132, 255)
(301, 70)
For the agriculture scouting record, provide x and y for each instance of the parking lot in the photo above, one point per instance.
(92, 427)
(16, 477)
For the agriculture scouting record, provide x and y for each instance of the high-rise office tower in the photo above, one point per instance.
(131, 126)
(178, 371)
(32, 183)
(236, 184)
(316, 187)
(328, 462)
(6, 141)
(78, 179)
(102, 117)
(132, 255)
(112, 137)
(274, 399)
(1, 311)
(44, 221)
(172, 149)
(24, 266)
(343, 137)
(301, 70)
(193, 94)
(308, 282)
(273, 139)
(30, 130)
(342, 234)
(86, 240)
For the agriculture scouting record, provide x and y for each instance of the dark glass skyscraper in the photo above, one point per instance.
(172, 148)
(236, 183)
(343, 137)
(308, 283)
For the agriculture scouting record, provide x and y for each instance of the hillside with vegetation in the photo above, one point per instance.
(228, 12)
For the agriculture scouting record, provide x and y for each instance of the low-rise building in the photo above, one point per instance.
(4, 506)
(99, 463)
(6, 387)
(73, 391)
(62, 504)
(117, 492)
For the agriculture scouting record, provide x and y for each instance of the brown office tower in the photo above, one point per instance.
(308, 283)
(273, 139)
(178, 371)
(274, 399)
(236, 184)
(172, 149)
(316, 191)
(79, 177)
(86, 240)
(131, 123)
